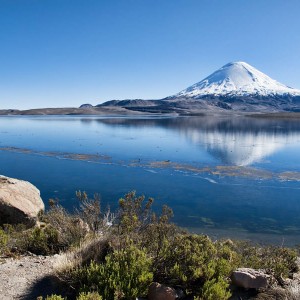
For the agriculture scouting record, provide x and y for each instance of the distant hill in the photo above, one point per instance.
(86, 105)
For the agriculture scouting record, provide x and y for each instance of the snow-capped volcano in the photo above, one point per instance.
(237, 79)
(236, 86)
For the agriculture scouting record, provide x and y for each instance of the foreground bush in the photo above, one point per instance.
(3, 241)
(82, 296)
(190, 261)
(125, 274)
(143, 246)
(70, 227)
(278, 261)
(89, 296)
(58, 230)
(42, 241)
(117, 258)
(214, 289)
(52, 297)
(38, 240)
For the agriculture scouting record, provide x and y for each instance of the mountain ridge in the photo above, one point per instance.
(236, 86)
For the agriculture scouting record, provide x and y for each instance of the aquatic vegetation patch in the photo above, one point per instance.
(219, 170)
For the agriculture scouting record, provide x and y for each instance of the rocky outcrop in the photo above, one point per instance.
(250, 279)
(159, 291)
(20, 202)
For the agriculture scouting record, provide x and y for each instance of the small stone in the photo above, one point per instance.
(159, 291)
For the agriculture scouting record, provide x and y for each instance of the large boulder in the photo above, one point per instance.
(159, 291)
(20, 202)
(250, 278)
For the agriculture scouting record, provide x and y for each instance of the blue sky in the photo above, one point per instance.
(58, 53)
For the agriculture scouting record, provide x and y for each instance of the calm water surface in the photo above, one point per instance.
(237, 177)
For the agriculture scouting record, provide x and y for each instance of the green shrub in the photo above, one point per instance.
(134, 213)
(159, 231)
(186, 261)
(215, 290)
(89, 296)
(140, 224)
(90, 211)
(3, 241)
(13, 238)
(58, 231)
(70, 227)
(192, 260)
(81, 296)
(52, 297)
(37, 240)
(279, 261)
(125, 274)
(41, 241)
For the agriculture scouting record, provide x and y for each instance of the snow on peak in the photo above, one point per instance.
(237, 79)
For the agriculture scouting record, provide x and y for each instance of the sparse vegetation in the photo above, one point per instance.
(89, 296)
(3, 241)
(81, 296)
(124, 274)
(278, 261)
(116, 256)
(52, 297)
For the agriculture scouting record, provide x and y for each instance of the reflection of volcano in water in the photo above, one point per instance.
(241, 148)
(238, 141)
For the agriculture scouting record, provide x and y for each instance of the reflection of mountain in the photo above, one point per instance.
(237, 141)
(241, 148)
(244, 141)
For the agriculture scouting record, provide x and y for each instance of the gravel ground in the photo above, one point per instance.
(26, 277)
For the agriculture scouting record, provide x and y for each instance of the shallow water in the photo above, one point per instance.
(237, 177)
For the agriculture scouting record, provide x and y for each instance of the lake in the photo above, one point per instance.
(235, 177)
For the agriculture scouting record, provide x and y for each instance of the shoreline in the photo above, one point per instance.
(110, 111)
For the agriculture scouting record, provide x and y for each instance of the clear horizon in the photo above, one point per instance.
(62, 53)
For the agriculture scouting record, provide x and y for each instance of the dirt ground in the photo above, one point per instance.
(26, 277)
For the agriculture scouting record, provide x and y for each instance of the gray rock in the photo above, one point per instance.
(159, 291)
(250, 279)
(20, 202)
